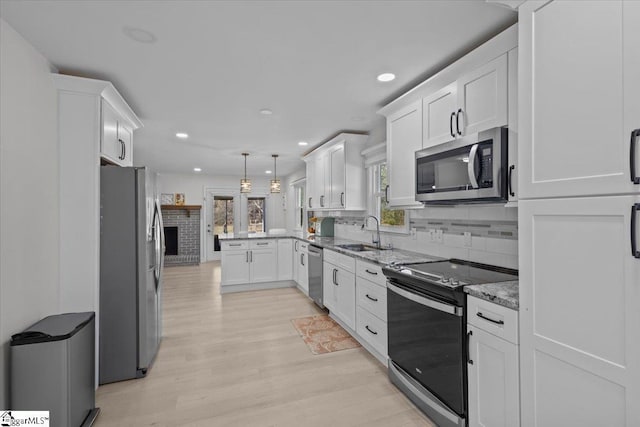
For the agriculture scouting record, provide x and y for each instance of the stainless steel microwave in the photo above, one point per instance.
(472, 169)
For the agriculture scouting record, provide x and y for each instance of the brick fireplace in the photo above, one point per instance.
(182, 234)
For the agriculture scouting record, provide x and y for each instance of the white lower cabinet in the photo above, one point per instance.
(372, 330)
(493, 368)
(339, 287)
(246, 262)
(303, 267)
(371, 307)
(285, 259)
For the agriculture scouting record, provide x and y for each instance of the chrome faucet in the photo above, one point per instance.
(378, 243)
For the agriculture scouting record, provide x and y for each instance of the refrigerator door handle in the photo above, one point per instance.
(158, 237)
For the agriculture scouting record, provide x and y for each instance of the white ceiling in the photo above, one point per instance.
(215, 64)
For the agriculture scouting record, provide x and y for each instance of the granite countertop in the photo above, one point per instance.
(502, 293)
(381, 257)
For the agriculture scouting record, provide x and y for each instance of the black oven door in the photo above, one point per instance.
(427, 341)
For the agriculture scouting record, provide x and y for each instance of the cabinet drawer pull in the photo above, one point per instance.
(370, 330)
(635, 134)
(342, 199)
(511, 168)
(453, 135)
(458, 121)
(247, 256)
(235, 244)
(371, 298)
(482, 316)
(262, 244)
(322, 201)
(375, 273)
(335, 280)
(386, 194)
(634, 218)
(310, 201)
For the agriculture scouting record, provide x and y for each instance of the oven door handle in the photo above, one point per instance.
(428, 302)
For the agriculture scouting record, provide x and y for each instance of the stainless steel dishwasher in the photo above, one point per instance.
(315, 275)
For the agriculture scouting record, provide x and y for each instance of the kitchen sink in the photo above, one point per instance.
(360, 247)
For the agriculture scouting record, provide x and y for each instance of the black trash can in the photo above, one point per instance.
(53, 369)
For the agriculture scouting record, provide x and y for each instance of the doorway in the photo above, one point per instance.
(222, 215)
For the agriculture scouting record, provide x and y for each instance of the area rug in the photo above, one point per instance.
(323, 335)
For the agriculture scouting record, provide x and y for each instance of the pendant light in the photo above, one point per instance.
(275, 182)
(245, 184)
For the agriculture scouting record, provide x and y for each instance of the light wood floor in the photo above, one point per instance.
(236, 360)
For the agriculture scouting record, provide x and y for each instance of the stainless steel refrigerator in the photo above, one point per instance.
(131, 261)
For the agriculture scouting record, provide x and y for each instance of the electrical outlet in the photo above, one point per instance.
(467, 239)
(414, 234)
(439, 236)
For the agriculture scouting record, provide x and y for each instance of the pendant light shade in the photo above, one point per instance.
(275, 182)
(245, 184)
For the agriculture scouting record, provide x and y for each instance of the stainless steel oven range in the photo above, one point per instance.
(427, 333)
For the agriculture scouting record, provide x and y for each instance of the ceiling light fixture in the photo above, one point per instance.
(182, 135)
(139, 35)
(268, 172)
(197, 170)
(266, 112)
(275, 182)
(245, 184)
(386, 77)
(303, 143)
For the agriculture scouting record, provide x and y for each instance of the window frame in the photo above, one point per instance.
(375, 201)
(299, 204)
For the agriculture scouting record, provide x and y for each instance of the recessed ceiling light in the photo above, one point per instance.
(182, 135)
(266, 112)
(139, 35)
(303, 143)
(386, 77)
(268, 172)
(197, 170)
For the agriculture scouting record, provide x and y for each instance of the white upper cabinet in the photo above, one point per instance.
(439, 114)
(336, 174)
(482, 98)
(512, 136)
(337, 177)
(404, 138)
(116, 141)
(110, 148)
(579, 97)
(475, 102)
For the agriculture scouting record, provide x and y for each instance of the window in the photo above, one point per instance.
(390, 219)
(255, 208)
(299, 209)
(222, 214)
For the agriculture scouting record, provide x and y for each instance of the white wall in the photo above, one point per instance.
(29, 236)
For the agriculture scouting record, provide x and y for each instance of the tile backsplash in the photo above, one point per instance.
(486, 234)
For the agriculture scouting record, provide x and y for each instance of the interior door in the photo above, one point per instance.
(222, 216)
